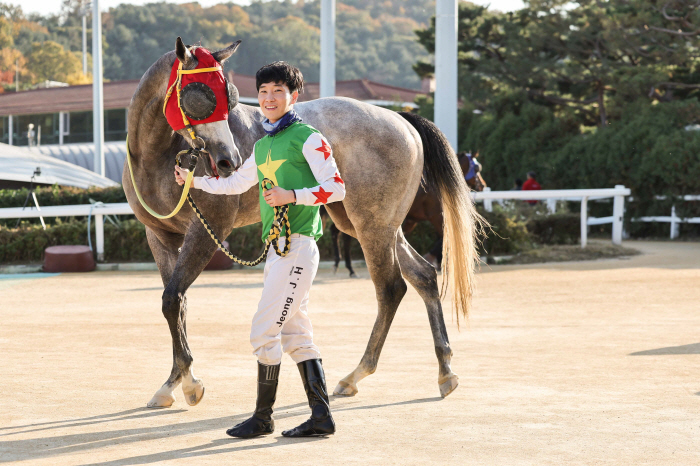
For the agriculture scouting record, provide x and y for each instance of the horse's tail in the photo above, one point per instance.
(443, 175)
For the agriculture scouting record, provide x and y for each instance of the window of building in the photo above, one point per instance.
(115, 124)
(44, 129)
(5, 130)
(80, 128)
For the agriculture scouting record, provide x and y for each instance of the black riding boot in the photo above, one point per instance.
(321, 422)
(261, 423)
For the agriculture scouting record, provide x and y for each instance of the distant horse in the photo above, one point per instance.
(335, 239)
(427, 207)
(381, 156)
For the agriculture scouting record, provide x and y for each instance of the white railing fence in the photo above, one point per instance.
(673, 219)
(551, 197)
(99, 210)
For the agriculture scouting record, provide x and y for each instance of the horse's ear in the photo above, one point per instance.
(222, 55)
(183, 53)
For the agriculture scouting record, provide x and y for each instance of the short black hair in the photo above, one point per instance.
(280, 72)
(533, 175)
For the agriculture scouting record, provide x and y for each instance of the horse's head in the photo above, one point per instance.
(471, 168)
(198, 102)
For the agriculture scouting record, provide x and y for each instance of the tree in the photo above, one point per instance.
(50, 61)
(579, 55)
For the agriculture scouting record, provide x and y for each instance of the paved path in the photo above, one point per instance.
(570, 363)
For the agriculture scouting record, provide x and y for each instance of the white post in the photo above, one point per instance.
(488, 203)
(552, 206)
(100, 237)
(584, 221)
(98, 133)
(675, 224)
(618, 213)
(327, 76)
(61, 129)
(11, 128)
(446, 69)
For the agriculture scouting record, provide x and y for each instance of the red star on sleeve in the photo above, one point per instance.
(337, 178)
(321, 195)
(325, 149)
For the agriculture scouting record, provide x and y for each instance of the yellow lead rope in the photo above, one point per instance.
(185, 191)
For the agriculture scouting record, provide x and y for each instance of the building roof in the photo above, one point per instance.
(83, 155)
(65, 99)
(17, 164)
(118, 94)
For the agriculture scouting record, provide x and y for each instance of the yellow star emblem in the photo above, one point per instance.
(269, 168)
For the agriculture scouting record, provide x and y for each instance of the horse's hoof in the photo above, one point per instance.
(161, 401)
(335, 269)
(448, 385)
(194, 393)
(353, 275)
(345, 389)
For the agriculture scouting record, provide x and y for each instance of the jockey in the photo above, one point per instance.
(299, 161)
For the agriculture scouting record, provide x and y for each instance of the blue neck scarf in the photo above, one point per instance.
(283, 123)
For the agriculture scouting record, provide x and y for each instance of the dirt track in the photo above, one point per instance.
(570, 363)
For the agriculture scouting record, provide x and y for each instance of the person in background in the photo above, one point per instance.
(518, 185)
(531, 184)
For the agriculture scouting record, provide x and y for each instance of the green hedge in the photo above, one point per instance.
(61, 195)
(125, 242)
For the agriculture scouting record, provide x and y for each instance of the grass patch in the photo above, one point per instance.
(565, 253)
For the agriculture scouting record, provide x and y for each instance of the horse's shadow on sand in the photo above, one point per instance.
(693, 348)
(53, 445)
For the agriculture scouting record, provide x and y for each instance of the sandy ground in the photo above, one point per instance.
(568, 363)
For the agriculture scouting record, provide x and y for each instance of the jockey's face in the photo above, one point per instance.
(275, 100)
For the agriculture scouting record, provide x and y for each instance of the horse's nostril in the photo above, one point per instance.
(225, 164)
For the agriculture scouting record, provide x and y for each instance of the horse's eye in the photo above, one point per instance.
(198, 101)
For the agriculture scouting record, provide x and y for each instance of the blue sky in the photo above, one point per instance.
(54, 6)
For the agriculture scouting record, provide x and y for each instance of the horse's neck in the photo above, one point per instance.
(150, 135)
(149, 132)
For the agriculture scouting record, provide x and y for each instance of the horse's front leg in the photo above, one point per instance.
(196, 252)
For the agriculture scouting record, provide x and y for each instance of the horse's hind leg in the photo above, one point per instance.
(196, 252)
(423, 277)
(383, 265)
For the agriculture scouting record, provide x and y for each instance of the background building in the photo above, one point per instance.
(62, 116)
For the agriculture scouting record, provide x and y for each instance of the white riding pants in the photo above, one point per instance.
(282, 321)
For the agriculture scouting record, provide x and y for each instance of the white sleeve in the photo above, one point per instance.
(331, 188)
(239, 182)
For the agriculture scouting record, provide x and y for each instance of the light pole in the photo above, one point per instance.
(446, 69)
(84, 11)
(98, 132)
(327, 77)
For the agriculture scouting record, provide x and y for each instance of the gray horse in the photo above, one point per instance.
(382, 156)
